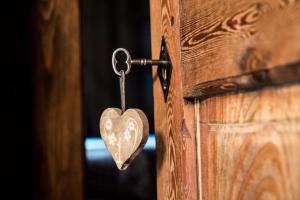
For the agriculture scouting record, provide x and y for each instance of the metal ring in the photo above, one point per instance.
(115, 61)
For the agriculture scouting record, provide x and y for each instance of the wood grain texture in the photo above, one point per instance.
(124, 134)
(58, 133)
(250, 81)
(221, 39)
(249, 144)
(245, 144)
(175, 136)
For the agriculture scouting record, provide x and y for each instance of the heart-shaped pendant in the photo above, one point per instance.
(124, 134)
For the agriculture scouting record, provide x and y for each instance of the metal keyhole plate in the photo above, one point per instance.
(164, 71)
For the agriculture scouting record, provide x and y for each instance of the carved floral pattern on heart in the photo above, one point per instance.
(124, 134)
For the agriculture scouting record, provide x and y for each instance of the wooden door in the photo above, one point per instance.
(57, 104)
(230, 127)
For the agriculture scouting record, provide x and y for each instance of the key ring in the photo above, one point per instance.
(127, 61)
(164, 66)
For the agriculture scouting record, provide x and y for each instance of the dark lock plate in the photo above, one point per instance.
(164, 71)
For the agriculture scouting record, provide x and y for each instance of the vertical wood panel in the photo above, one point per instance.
(198, 148)
(176, 154)
(247, 143)
(57, 100)
(250, 145)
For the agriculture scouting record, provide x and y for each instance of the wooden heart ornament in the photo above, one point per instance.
(124, 134)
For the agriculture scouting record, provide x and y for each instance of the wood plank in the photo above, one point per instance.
(249, 144)
(221, 39)
(254, 80)
(58, 133)
(174, 120)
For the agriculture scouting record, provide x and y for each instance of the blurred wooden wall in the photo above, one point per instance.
(57, 104)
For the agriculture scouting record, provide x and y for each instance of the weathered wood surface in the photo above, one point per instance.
(249, 145)
(221, 39)
(124, 134)
(238, 146)
(251, 81)
(58, 133)
(176, 158)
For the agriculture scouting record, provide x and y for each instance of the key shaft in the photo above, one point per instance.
(144, 62)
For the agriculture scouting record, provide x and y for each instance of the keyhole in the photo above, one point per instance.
(172, 21)
(164, 75)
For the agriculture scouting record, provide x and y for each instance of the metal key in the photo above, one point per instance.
(129, 61)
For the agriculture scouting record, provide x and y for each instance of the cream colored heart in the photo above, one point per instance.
(124, 134)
